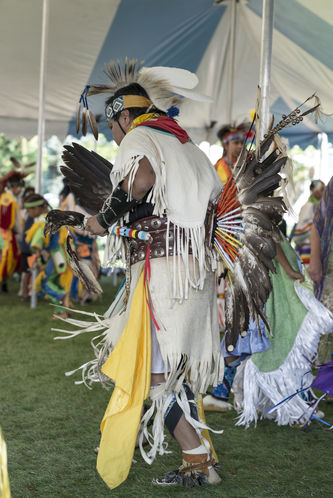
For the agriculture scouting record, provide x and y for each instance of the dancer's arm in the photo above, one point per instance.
(142, 183)
(315, 267)
(281, 258)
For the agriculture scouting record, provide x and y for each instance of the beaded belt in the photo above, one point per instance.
(157, 227)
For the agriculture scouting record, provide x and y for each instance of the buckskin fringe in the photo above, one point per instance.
(202, 372)
(157, 195)
(183, 238)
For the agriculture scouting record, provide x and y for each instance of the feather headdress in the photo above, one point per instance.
(12, 176)
(166, 86)
(19, 173)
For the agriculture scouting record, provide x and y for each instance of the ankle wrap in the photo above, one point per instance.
(174, 411)
(199, 463)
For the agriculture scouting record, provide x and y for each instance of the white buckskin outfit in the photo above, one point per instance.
(185, 346)
(167, 323)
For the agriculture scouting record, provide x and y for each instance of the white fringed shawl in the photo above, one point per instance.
(262, 390)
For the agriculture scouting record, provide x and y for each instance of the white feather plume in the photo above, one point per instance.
(166, 86)
(192, 94)
(176, 77)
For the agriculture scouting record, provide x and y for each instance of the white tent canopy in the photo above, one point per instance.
(194, 34)
(76, 32)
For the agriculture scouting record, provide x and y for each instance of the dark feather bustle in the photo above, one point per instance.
(88, 176)
(247, 230)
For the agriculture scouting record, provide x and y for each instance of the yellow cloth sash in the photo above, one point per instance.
(141, 119)
(4, 480)
(129, 366)
(205, 432)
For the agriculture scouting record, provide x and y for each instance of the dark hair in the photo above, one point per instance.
(15, 181)
(28, 191)
(133, 89)
(36, 197)
(314, 183)
(223, 131)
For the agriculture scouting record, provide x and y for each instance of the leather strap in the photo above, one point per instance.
(157, 227)
(115, 207)
(196, 463)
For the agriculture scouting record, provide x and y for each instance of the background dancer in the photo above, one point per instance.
(321, 264)
(11, 224)
(302, 230)
(55, 275)
(257, 341)
(232, 139)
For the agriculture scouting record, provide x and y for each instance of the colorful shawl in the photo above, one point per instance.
(223, 169)
(323, 220)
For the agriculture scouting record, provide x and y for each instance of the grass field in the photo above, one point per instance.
(51, 427)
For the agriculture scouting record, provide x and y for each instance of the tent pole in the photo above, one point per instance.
(41, 122)
(231, 61)
(41, 108)
(265, 61)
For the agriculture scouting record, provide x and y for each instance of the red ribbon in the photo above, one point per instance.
(169, 125)
(147, 275)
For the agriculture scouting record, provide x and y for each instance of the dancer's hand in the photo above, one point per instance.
(296, 275)
(94, 227)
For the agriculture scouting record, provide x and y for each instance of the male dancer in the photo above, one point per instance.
(155, 166)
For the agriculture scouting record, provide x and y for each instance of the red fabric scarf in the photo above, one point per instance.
(170, 125)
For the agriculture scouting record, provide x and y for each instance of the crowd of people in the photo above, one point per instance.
(40, 259)
(165, 319)
(160, 338)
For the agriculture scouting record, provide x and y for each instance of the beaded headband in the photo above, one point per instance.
(234, 135)
(125, 102)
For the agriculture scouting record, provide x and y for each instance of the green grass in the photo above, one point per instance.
(51, 427)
